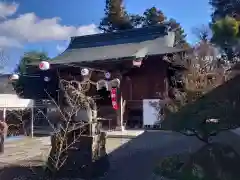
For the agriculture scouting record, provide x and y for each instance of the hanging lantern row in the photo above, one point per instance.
(109, 85)
(115, 83)
(44, 65)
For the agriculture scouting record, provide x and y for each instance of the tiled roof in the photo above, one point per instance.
(113, 52)
(122, 37)
(96, 53)
(119, 45)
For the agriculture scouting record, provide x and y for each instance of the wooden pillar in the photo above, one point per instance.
(120, 111)
(4, 114)
(119, 116)
(118, 84)
(32, 122)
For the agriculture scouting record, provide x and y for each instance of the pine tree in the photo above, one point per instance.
(28, 58)
(223, 8)
(116, 18)
(225, 25)
(180, 36)
(153, 16)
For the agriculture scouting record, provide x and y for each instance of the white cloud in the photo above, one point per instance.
(7, 9)
(29, 28)
(63, 46)
(9, 42)
(87, 30)
(60, 48)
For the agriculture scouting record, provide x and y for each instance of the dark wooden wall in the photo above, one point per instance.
(34, 86)
(147, 82)
(137, 83)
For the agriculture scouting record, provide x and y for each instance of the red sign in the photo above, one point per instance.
(114, 98)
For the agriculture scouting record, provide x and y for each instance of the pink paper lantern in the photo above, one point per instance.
(44, 65)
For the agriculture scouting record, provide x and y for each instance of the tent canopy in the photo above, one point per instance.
(12, 101)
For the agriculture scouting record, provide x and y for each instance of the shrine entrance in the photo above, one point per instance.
(108, 103)
(103, 97)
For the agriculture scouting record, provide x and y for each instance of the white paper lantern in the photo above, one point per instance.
(107, 75)
(102, 84)
(115, 83)
(14, 77)
(44, 65)
(84, 72)
(165, 58)
(46, 79)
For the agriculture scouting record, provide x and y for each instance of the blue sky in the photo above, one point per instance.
(47, 25)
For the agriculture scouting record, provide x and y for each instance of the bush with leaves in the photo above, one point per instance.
(214, 161)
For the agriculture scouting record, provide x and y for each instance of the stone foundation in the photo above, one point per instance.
(84, 157)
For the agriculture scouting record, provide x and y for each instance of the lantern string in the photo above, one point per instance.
(92, 69)
(72, 65)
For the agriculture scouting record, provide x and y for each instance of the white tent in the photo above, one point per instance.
(13, 102)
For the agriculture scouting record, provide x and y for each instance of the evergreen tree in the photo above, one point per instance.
(180, 36)
(223, 8)
(226, 35)
(153, 16)
(30, 57)
(116, 18)
(225, 25)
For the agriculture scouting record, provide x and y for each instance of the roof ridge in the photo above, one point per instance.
(137, 34)
(157, 26)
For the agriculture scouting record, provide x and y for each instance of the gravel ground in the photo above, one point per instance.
(136, 158)
(21, 154)
(28, 149)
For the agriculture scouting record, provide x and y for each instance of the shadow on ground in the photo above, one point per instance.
(135, 159)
